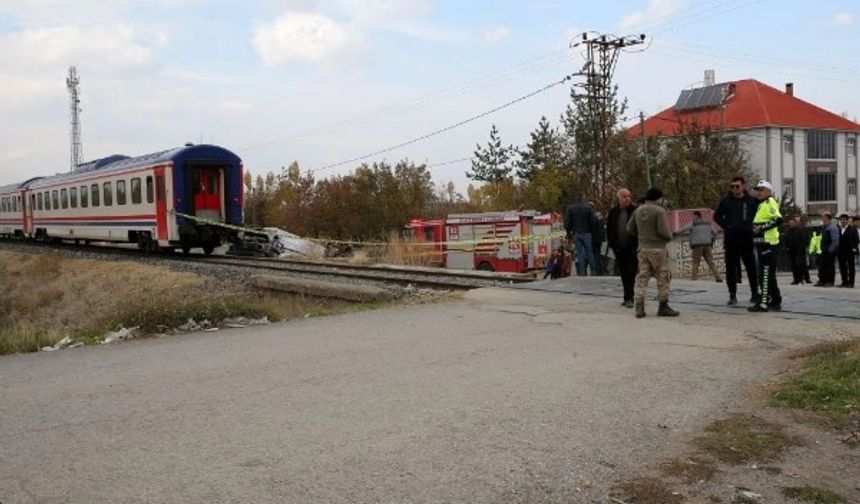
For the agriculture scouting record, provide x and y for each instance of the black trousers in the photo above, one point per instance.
(628, 267)
(737, 251)
(827, 268)
(770, 294)
(800, 268)
(846, 267)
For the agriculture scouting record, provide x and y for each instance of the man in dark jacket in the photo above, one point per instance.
(848, 242)
(797, 243)
(622, 243)
(829, 249)
(579, 223)
(735, 215)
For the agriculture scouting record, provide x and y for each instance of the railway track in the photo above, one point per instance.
(401, 275)
(379, 275)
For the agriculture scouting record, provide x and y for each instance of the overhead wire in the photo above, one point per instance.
(445, 129)
(544, 61)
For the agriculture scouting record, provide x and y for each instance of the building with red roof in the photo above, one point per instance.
(806, 152)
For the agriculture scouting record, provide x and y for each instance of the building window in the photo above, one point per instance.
(852, 187)
(788, 144)
(851, 144)
(820, 144)
(788, 189)
(822, 186)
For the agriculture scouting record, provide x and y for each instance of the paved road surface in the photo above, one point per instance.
(509, 395)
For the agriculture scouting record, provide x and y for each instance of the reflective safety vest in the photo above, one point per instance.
(768, 213)
(815, 243)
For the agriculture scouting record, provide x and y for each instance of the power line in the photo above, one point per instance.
(447, 128)
(543, 61)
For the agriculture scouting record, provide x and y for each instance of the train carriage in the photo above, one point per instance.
(178, 198)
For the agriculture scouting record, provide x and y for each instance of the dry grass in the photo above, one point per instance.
(646, 491)
(690, 470)
(45, 297)
(745, 438)
(410, 252)
(813, 494)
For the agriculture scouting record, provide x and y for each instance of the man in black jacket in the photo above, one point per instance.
(622, 243)
(735, 215)
(798, 244)
(848, 242)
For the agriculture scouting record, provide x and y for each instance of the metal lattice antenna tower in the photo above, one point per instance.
(72, 83)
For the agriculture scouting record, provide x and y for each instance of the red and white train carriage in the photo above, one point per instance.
(176, 198)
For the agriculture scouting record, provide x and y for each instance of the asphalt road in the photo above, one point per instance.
(505, 396)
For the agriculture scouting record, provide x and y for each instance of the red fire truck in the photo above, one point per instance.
(514, 241)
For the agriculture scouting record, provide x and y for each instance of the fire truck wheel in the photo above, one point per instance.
(485, 266)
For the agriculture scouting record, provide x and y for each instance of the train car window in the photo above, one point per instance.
(149, 189)
(120, 192)
(213, 183)
(84, 194)
(14, 203)
(47, 200)
(73, 197)
(2, 205)
(94, 195)
(55, 199)
(108, 191)
(32, 202)
(135, 191)
(39, 203)
(64, 198)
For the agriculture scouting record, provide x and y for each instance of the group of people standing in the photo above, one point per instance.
(823, 248)
(639, 235)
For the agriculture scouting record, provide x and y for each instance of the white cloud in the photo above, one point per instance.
(384, 11)
(299, 36)
(109, 49)
(21, 92)
(234, 107)
(843, 19)
(496, 34)
(657, 12)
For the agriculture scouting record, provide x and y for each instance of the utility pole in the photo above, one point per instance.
(601, 57)
(645, 148)
(72, 84)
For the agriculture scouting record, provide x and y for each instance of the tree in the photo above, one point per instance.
(594, 140)
(692, 167)
(542, 152)
(493, 163)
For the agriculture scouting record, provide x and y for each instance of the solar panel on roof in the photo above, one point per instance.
(682, 100)
(705, 97)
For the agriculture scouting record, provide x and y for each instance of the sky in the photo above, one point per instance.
(324, 81)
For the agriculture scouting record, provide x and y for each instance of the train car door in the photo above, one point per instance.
(28, 207)
(208, 196)
(160, 205)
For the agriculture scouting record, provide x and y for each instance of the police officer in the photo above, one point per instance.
(766, 238)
